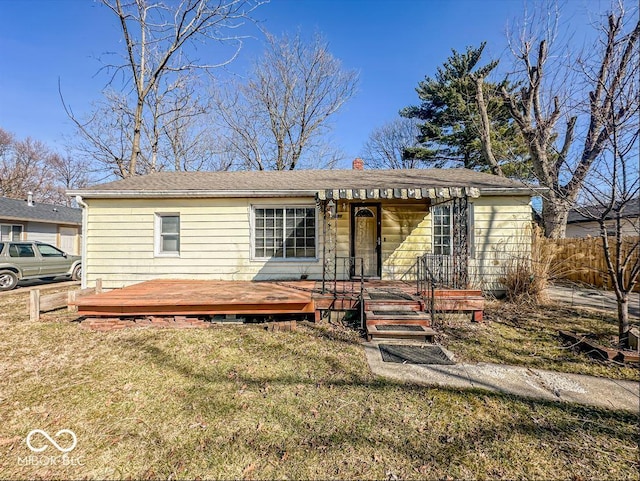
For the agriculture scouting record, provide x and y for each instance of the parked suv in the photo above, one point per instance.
(35, 260)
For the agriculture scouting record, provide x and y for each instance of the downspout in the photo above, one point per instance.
(83, 280)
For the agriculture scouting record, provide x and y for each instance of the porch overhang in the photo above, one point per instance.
(441, 193)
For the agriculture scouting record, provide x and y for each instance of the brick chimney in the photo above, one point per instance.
(358, 164)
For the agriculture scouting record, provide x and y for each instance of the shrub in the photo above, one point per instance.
(526, 277)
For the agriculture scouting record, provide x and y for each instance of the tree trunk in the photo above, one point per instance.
(623, 321)
(485, 130)
(135, 145)
(554, 218)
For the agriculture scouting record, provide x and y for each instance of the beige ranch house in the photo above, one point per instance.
(307, 224)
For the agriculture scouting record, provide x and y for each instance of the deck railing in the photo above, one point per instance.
(352, 269)
(438, 271)
(447, 271)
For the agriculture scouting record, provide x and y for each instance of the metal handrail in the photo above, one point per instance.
(445, 269)
(426, 282)
(352, 266)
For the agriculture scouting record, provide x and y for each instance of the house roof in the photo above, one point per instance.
(321, 183)
(591, 213)
(15, 209)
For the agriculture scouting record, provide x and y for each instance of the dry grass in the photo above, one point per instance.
(525, 334)
(238, 402)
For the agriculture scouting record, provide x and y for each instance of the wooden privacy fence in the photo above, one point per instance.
(583, 261)
(38, 303)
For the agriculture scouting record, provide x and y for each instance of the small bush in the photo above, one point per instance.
(527, 277)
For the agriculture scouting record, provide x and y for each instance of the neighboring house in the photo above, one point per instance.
(315, 224)
(57, 225)
(581, 223)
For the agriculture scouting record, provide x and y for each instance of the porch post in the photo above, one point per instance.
(328, 244)
(460, 241)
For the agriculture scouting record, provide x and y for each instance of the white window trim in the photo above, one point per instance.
(157, 248)
(252, 223)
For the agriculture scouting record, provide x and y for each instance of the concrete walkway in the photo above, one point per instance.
(594, 299)
(519, 381)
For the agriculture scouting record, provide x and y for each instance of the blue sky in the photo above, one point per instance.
(392, 43)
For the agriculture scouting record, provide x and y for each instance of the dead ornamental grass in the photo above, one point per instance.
(238, 402)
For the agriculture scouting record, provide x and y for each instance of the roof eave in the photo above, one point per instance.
(42, 221)
(513, 190)
(164, 194)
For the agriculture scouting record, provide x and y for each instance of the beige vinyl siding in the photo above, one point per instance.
(502, 230)
(215, 239)
(406, 234)
(502, 224)
(343, 244)
(215, 242)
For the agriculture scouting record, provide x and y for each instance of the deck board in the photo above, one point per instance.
(182, 296)
(209, 297)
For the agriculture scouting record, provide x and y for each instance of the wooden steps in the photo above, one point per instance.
(396, 315)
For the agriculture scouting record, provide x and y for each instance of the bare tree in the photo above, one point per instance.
(67, 173)
(182, 130)
(385, 146)
(160, 41)
(30, 166)
(612, 191)
(105, 136)
(23, 168)
(538, 111)
(278, 118)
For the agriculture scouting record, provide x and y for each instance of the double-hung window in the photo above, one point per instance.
(284, 232)
(167, 234)
(442, 229)
(10, 232)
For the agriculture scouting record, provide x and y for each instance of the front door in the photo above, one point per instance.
(365, 239)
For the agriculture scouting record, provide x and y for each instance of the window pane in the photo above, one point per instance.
(288, 232)
(21, 250)
(169, 236)
(49, 251)
(16, 233)
(442, 229)
(170, 224)
(170, 244)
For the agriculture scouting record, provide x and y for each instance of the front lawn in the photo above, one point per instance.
(237, 402)
(527, 335)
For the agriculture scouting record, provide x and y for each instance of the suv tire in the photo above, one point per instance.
(77, 273)
(8, 280)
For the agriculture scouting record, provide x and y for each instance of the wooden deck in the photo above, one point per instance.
(193, 297)
(384, 302)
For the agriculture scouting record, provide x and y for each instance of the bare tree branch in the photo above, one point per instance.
(278, 118)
